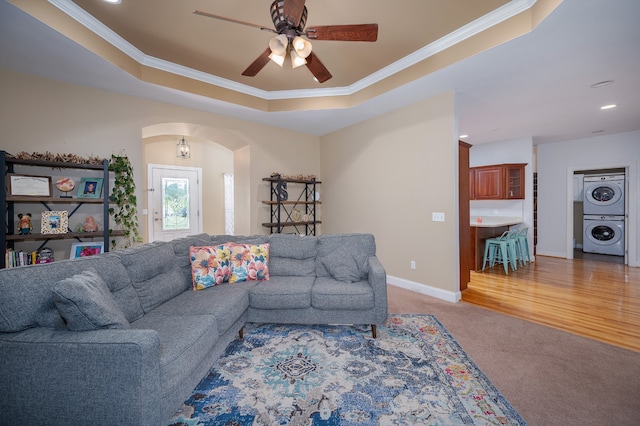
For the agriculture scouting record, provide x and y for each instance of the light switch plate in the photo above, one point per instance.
(437, 217)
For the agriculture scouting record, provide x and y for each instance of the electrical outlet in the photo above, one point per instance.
(413, 264)
(437, 217)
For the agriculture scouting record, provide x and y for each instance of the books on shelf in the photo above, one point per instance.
(15, 258)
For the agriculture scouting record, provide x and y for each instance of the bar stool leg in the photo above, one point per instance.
(485, 259)
(504, 249)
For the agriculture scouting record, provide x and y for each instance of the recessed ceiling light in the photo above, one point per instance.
(601, 84)
(464, 136)
(608, 106)
(112, 1)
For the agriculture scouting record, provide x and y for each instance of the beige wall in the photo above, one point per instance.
(386, 176)
(383, 176)
(39, 115)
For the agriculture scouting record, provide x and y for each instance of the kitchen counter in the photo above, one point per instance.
(494, 221)
(490, 227)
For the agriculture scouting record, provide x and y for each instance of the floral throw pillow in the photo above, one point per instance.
(210, 265)
(249, 262)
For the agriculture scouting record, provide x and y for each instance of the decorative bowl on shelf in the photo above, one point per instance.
(65, 185)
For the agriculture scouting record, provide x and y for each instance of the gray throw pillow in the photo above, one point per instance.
(85, 303)
(346, 265)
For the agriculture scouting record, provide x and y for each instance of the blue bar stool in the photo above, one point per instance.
(523, 246)
(501, 250)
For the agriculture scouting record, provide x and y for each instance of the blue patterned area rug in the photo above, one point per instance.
(414, 373)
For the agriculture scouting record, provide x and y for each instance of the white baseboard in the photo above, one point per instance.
(551, 253)
(449, 296)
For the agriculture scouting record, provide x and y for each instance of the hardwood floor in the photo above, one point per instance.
(595, 299)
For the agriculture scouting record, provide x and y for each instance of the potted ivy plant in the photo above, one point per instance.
(124, 209)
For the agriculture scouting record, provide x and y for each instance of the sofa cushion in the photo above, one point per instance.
(292, 255)
(185, 340)
(249, 262)
(346, 264)
(109, 267)
(329, 294)
(154, 272)
(210, 265)
(282, 293)
(181, 248)
(227, 302)
(358, 244)
(239, 239)
(85, 303)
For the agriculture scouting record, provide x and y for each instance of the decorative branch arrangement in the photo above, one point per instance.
(60, 158)
(303, 178)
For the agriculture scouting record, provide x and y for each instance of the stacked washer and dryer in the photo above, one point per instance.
(603, 220)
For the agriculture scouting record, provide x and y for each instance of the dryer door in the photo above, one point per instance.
(602, 193)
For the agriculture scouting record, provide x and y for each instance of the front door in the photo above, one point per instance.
(174, 202)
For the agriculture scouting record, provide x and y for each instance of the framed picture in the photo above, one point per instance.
(90, 187)
(33, 186)
(54, 222)
(86, 249)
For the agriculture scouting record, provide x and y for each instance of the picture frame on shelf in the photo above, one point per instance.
(90, 187)
(54, 222)
(86, 249)
(29, 185)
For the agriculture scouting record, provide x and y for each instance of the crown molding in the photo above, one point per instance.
(513, 8)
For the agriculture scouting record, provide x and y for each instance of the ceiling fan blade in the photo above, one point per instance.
(358, 32)
(317, 68)
(235, 21)
(293, 10)
(258, 64)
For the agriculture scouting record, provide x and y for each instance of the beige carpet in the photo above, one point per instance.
(549, 376)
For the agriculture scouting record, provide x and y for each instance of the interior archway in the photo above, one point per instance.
(216, 152)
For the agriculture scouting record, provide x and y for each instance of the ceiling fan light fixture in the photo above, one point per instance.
(278, 59)
(296, 60)
(279, 44)
(302, 47)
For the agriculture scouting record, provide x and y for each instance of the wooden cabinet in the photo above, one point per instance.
(293, 203)
(497, 182)
(515, 181)
(489, 183)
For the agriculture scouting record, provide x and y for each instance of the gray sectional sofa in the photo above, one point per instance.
(122, 338)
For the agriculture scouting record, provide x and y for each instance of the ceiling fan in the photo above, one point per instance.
(289, 18)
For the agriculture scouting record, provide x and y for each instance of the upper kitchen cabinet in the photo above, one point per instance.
(497, 182)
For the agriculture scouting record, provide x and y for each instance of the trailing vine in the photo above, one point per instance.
(125, 212)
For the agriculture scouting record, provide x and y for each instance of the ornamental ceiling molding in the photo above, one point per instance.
(492, 19)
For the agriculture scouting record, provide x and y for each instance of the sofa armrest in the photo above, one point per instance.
(378, 280)
(94, 377)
